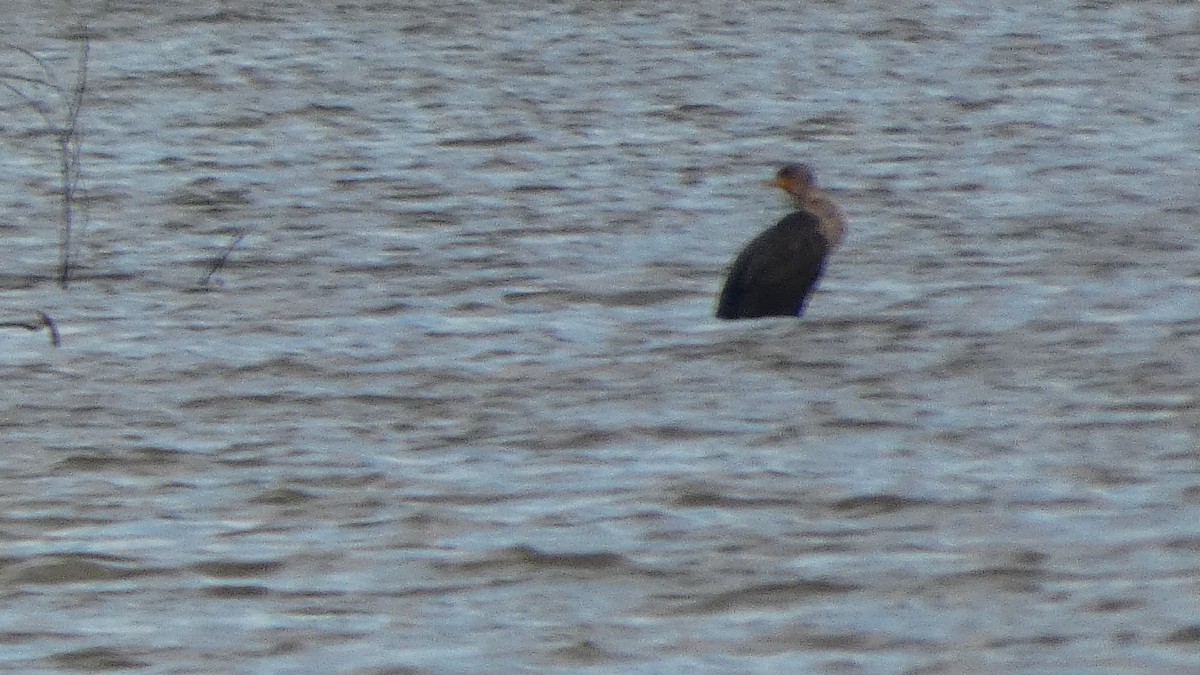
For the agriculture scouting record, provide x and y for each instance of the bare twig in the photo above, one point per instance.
(66, 131)
(38, 106)
(70, 144)
(55, 336)
(44, 322)
(219, 262)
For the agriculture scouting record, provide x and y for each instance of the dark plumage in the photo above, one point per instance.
(776, 271)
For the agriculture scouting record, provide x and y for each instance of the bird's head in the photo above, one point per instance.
(795, 179)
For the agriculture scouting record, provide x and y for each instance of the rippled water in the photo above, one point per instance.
(456, 403)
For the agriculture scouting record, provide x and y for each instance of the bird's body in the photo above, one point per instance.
(775, 273)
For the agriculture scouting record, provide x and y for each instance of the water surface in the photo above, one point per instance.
(456, 402)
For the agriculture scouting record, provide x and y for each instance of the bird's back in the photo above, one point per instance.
(776, 271)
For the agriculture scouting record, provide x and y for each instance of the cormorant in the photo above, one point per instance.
(776, 271)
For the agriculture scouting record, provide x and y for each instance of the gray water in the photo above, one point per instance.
(456, 402)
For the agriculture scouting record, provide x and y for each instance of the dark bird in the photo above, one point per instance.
(776, 271)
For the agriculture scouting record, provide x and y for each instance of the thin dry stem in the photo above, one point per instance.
(67, 133)
(44, 321)
(220, 260)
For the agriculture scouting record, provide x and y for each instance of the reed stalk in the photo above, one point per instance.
(61, 108)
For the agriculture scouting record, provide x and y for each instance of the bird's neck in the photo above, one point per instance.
(833, 223)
